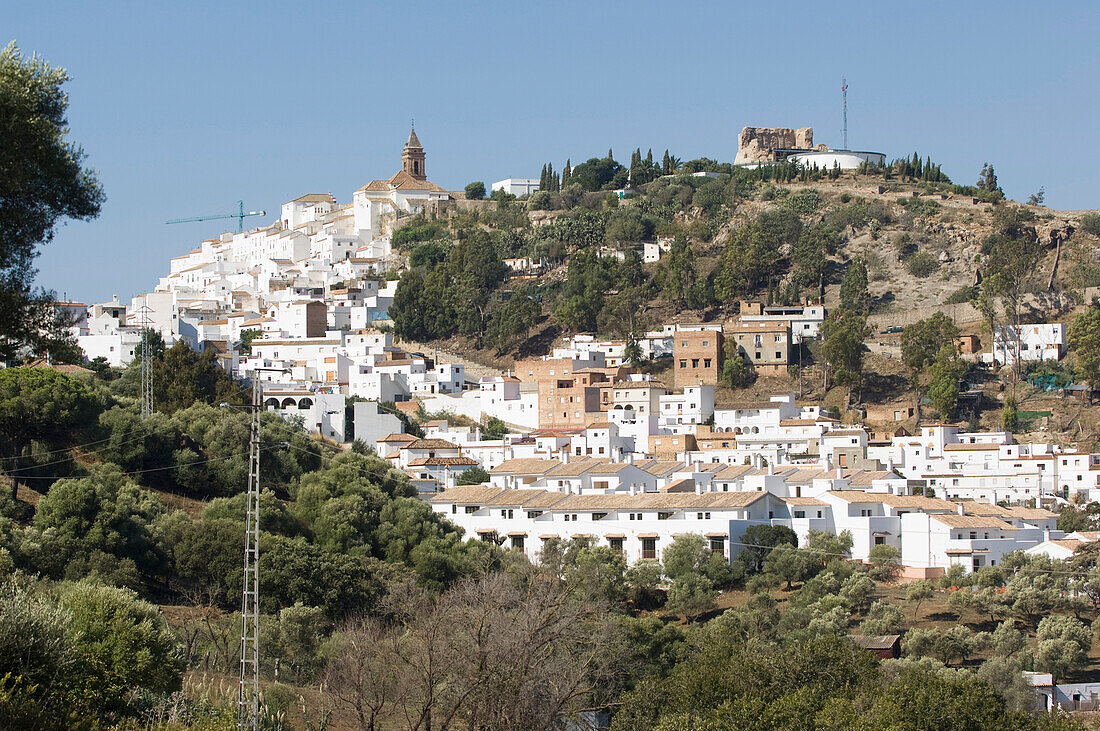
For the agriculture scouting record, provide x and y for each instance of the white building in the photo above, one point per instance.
(516, 186)
(1036, 342)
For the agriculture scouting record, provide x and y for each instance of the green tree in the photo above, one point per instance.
(1083, 339)
(676, 274)
(843, 334)
(854, 294)
(757, 542)
(882, 618)
(786, 562)
(473, 476)
(687, 555)
(244, 345)
(475, 191)
(919, 592)
(946, 371)
(735, 369)
(690, 595)
(43, 180)
(102, 516)
(922, 341)
(1063, 645)
(40, 404)
(120, 645)
(1009, 420)
(885, 563)
(184, 377)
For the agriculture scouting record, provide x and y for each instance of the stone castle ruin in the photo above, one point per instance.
(759, 144)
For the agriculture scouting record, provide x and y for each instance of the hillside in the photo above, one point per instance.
(765, 236)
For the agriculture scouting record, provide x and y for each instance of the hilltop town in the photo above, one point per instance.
(800, 436)
(688, 420)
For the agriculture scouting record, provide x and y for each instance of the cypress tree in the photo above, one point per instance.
(666, 165)
(542, 178)
(566, 173)
(610, 155)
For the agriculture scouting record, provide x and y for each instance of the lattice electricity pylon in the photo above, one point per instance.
(144, 323)
(248, 700)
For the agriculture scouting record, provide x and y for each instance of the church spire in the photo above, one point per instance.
(413, 158)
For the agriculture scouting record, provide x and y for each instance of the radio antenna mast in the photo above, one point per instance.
(844, 94)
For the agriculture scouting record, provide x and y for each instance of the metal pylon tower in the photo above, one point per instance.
(146, 362)
(248, 700)
(844, 94)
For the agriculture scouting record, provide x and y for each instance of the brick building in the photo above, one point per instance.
(766, 345)
(697, 357)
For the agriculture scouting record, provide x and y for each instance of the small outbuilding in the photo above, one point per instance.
(885, 646)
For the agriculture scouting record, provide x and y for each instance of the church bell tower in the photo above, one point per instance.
(412, 158)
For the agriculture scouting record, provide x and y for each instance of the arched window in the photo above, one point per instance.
(289, 403)
(272, 403)
(306, 403)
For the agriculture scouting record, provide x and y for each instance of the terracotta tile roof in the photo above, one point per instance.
(401, 180)
(431, 444)
(444, 462)
(315, 198)
(528, 498)
(576, 467)
(954, 520)
(803, 501)
(402, 438)
(467, 494)
(525, 466)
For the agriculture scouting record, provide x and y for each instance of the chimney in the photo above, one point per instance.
(633, 489)
(839, 473)
(698, 488)
(698, 465)
(565, 455)
(630, 457)
(962, 509)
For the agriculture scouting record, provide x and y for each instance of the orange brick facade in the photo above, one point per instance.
(697, 357)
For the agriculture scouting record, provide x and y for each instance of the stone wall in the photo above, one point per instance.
(755, 144)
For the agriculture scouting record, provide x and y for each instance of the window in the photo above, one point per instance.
(471, 509)
(616, 544)
(879, 540)
(649, 548)
(778, 354)
(718, 545)
(800, 513)
(533, 513)
(506, 513)
(663, 516)
(517, 542)
(599, 516)
(706, 362)
(698, 516)
(454, 508)
(694, 362)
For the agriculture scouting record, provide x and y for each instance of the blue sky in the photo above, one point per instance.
(184, 108)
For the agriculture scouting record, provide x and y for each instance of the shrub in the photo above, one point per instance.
(845, 197)
(1090, 223)
(539, 201)
(803, 202)
(922, 264)
(961, 295)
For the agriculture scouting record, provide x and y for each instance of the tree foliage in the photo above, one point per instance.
(43, 179)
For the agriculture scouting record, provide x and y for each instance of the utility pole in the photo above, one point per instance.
(248, 700)
(844, 94)
(146, 362)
